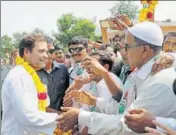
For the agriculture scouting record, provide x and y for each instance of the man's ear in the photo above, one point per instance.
(26, 51)
(106, 66)
(146, 49)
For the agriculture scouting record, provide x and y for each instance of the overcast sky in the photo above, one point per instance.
(18, 16)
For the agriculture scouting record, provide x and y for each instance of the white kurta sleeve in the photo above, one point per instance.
(169, 122)
(99, 123)
(109, 106)
(23, 96)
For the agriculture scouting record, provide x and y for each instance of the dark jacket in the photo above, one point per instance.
(57, 82)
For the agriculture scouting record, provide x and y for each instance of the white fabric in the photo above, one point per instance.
(20, 106)
(102, 89)
(102, 92)
(148, 31)
(169, 122)
(154, 93)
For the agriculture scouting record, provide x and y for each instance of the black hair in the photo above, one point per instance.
(28, 42)
(58, 48)
(116, 36)
(77, 40)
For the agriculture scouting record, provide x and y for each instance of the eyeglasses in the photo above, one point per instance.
(51, 51)
(77, 49)
(127, 46)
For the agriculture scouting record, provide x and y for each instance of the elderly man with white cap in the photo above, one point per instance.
(142, 90)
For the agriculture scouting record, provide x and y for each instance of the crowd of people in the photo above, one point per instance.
(125, 87)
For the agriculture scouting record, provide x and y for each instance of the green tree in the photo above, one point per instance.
(125, 7)
(70, 26)
(6, 45)
(17, 37)
(38, 31)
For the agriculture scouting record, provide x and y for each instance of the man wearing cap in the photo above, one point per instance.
(152, 92)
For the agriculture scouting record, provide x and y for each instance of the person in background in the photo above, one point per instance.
(55, 76)
(125, 69)
(169, 44)
(78, 49)
(70, 60)
(60, 57)
(23, 111)
(7, 67)
(97, 84)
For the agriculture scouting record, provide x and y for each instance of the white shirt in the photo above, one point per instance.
(102, 88)
(102, 91)
(154, 93)
(20, 106)
(169, 122)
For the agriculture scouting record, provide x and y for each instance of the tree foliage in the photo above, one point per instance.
(70, 26)
(125, 7)
(6, 45)
(17, 37)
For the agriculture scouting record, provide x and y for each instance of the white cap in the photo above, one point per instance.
(149, 32)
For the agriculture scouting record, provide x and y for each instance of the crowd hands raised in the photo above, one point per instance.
(139, 99)
(138, 120)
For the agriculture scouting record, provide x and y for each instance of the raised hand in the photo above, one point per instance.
(93, 65)
(122, 22)
(67, 102)
(83, 97)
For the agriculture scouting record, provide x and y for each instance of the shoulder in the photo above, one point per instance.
(61, 65)
(161, 81)
(166, 75)
(17, 72)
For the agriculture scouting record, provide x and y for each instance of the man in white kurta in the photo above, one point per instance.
(20, 99)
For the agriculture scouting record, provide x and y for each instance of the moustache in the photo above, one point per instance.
(59, 56)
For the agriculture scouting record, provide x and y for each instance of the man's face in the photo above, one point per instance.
(116, 41)
(169, 44)
(134, 52)
(59, 55)
(36, 58)
(50, 52)
(78, 52)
